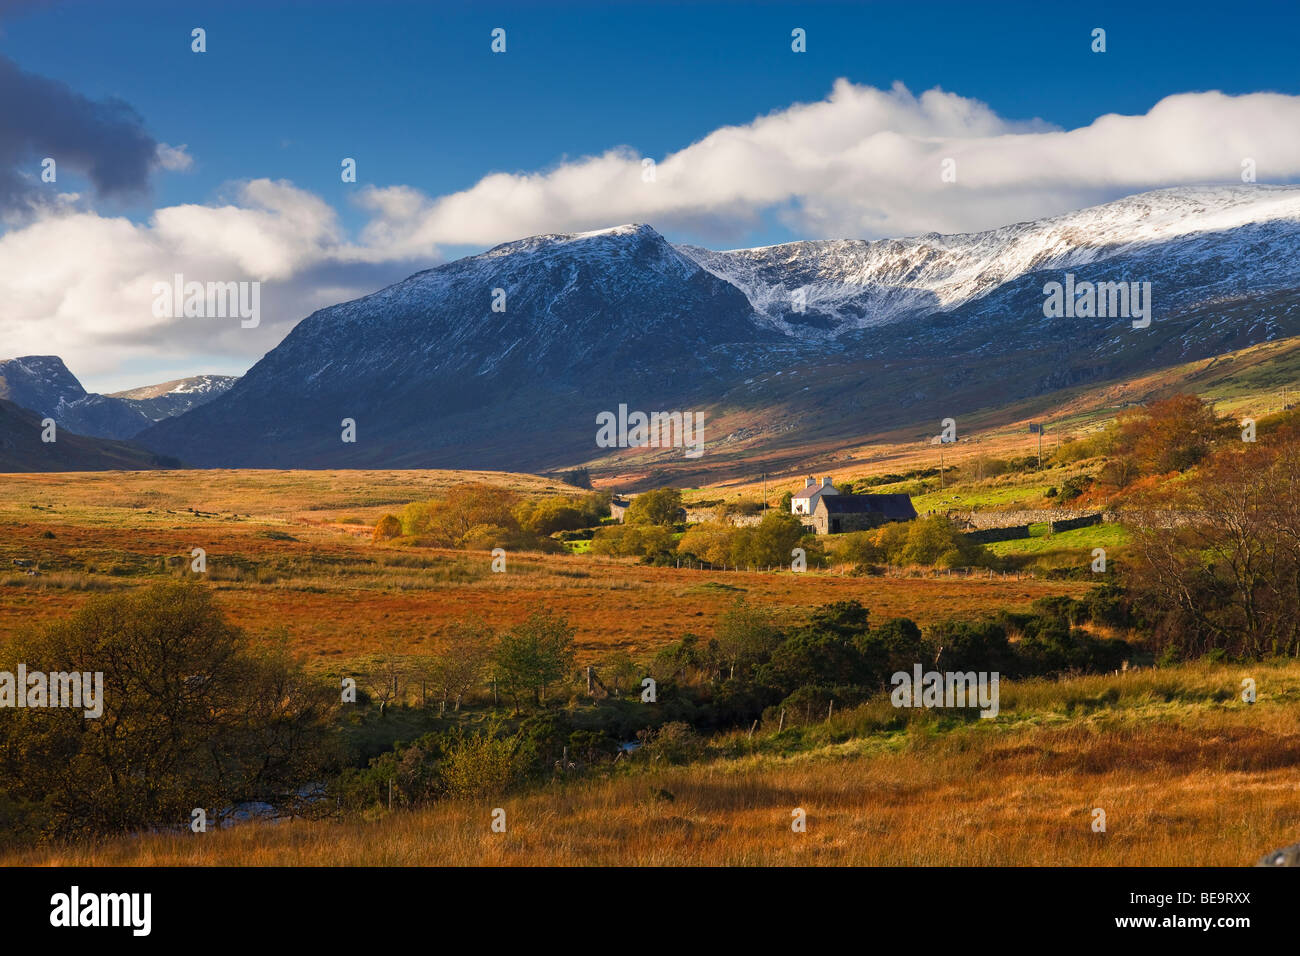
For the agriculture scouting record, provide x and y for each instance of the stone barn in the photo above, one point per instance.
(835, 514)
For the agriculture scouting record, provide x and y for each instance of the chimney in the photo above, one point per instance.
(809, 482)
(826, 482)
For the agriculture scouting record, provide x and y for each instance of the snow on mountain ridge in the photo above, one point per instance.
(860, 284)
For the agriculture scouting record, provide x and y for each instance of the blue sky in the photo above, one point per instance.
(584, 91)
(412, 91)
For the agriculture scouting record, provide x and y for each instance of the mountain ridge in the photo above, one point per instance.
(435, 374)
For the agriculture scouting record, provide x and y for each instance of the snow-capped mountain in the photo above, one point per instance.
(853, 284)
(169, 399)
(43, 384)
(503, 359)
(499, 352)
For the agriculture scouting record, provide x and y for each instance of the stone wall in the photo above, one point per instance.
(982, 520)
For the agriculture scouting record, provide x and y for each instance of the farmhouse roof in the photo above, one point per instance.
(897, 507)
(812, 487)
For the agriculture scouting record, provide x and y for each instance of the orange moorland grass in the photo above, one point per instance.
(612, 603)
(294, 566)
(1186, 774)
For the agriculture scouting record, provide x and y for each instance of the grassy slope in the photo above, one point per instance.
(1186, 773)
(1246, 382)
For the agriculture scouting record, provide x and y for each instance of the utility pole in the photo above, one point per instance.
(941, 464)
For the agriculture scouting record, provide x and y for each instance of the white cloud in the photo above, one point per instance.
(863, 163)
(174, 158)
(79, 285)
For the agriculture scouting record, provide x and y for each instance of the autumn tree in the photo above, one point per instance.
(661, 506)
(389, 526)
(1215, 562)
(462, 660)
(1172, 434)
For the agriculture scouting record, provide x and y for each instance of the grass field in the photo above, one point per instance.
(286, 554)
(1186, 774)
(1078, 542)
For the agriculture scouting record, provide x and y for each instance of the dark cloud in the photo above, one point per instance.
(104, 140)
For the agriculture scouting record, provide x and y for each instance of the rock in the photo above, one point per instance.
(1287, 856)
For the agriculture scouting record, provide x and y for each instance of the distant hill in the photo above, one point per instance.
(21, 448)
(173, 398)
(44, 384)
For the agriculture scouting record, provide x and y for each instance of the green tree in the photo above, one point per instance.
(661, 507)
(746, 636)
(533, 655)
(192, 717)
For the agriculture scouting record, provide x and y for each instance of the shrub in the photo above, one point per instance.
(485, 764)
(674, 742)
(389, 526)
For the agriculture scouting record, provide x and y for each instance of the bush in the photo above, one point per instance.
(485, 764)
(389, 526)
(674, 742)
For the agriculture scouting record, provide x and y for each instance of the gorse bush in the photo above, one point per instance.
(484, 764)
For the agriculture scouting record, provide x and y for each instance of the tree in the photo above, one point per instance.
(449, 519)
(533, 655)
(462, 660)
(632, 540)
(708, 541)
(770, 541)
(192, 717)
(746, 636)
(1172, 434)
(936, 540)
(823, 652)
(386, 673)
(1215, 562)
(550, 515)
(661, 506)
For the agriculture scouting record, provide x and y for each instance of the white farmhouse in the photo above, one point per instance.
(804, 501)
